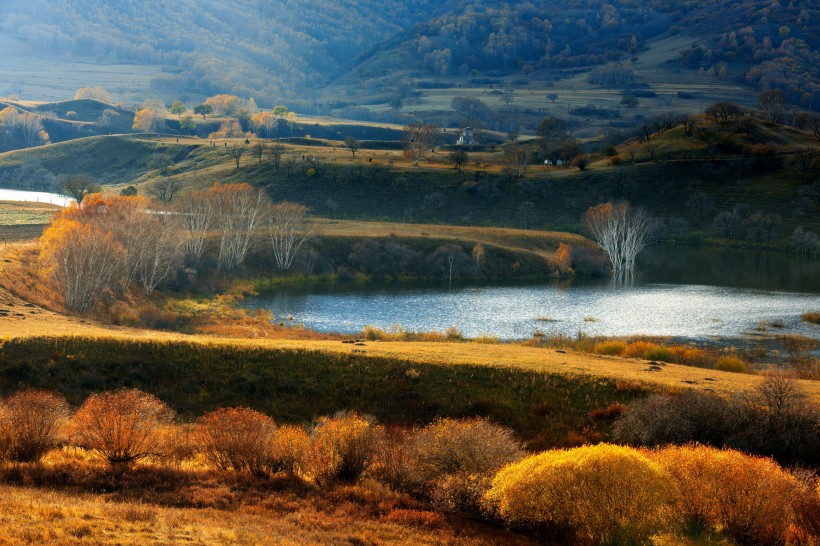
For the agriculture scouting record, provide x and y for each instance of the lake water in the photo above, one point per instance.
(696, 293)
(35, 197)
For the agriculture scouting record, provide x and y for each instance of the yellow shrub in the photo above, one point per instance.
(749, 498)
(692, 356)
(341, 448)
(586, 495)
(731, 364)
(659, 352)
(614, 348)
(637, 349)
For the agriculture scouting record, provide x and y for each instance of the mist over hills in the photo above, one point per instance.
(288, 49)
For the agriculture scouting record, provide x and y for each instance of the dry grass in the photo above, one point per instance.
(542, 243)
(347, 516)
(14, 213)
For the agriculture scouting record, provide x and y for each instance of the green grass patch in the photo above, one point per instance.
(297, 386)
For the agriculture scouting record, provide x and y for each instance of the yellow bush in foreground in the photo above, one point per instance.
(586, 495)
(749, 498)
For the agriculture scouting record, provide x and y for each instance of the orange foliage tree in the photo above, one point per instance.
(563, 258)
(83, 260)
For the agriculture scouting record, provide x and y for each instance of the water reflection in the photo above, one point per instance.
(696, 293)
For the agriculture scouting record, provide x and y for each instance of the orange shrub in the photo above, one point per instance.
(613, 348)
(341, 448)
(29, 423)
(121, 426)
(238, 439)
(586, 495)
(749, 498)
(637, 349)
(692, 356)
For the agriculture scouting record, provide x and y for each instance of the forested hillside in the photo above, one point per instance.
(248, 47)
(287, 48)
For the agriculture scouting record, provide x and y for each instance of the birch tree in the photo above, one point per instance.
(194, 213)
(238, 210)
(288, 229)
(620, 230)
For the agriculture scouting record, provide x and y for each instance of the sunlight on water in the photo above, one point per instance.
(514, 312)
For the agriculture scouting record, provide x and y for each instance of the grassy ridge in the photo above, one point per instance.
(300, 385)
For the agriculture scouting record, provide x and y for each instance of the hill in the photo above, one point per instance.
(246, 47)
(684, 177)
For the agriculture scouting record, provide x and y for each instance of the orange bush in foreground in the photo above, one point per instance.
(749, 498)
(29, 422)
(121, 426)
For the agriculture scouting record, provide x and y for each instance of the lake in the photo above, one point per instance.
(35, 197)
(695, 293)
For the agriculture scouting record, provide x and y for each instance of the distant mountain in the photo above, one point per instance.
(292, 50)
(256, 48)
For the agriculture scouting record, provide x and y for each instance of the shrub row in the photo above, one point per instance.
(677, 354)
(777, 419)
(587, 495)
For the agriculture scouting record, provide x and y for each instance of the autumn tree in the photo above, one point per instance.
(157, 252)
(620, 230)
(288, 229)
(264, 123)
(238, 210)
(83, 260)
(563, 259)
(223, 104)
(478, 254)
(121, 426)
(187, 123)
(147, 121)
(352, 144)
(93, 93)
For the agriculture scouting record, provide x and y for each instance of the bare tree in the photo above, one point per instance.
(525, 210)
(78, 186)
(31, 127)
(158, 253)
(353, 145)
(417, 139)
(258, 150)
(276, 151)
(516, 157)
(773, 104)
(620, 230)
(289, 229)
(194, 213)
(239, 210)
(165, 189)
(236, 153)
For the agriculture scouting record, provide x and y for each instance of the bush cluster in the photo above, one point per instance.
(776, 420)
(586, 495)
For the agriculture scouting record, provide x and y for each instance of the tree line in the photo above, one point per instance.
(106, 244)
